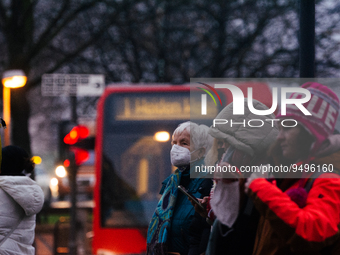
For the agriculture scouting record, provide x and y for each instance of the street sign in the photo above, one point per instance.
(72, 84)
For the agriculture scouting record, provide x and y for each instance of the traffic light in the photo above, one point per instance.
(63, 149)
(75, 140)
(76, 134)
(80, 155)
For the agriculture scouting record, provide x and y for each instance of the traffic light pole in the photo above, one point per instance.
(73, 212)
(73, 188)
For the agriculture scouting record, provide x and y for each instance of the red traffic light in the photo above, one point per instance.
(80, 155)
(77, 133)
(67, 163)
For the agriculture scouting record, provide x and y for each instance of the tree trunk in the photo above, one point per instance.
(20, 112)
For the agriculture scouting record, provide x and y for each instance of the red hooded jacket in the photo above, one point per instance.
(284, 228)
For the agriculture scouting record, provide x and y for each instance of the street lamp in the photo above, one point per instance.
(10, 79)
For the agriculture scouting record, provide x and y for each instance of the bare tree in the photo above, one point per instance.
(42, 36)
(169, 41)
(157, 41)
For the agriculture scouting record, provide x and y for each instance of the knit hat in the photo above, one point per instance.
(324, 107)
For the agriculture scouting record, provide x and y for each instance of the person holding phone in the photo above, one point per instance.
(169, 229)
(191, 197)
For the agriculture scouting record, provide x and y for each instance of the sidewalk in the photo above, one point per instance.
(44, 240)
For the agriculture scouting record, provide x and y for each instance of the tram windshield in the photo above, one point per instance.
(134, 161)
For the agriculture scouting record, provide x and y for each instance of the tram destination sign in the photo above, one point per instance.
(72, 84)
(156, 106)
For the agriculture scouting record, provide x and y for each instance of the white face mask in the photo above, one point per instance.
(197, 158)
(180, 156)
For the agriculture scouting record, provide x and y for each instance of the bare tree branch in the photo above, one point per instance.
(56, 26)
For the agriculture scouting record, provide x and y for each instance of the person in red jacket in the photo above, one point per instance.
(301, 214)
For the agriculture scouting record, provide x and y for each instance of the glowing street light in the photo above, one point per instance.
(37, 160)
(10, 79)
(54, 182)
(14, 79)
(60, 171)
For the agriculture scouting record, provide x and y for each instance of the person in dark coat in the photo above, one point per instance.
(169, 229)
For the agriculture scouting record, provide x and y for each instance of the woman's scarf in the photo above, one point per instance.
(160, 222)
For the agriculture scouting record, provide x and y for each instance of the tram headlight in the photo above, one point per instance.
(162, 136)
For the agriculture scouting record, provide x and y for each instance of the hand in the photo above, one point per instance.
(252, 177)
(198, 209)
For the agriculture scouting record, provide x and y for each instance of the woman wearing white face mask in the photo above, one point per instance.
(169, 229)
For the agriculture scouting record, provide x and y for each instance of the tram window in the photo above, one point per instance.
(134, 166)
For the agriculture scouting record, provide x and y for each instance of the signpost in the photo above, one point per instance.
(72, 84)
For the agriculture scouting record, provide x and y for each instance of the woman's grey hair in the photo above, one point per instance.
(198, 135)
